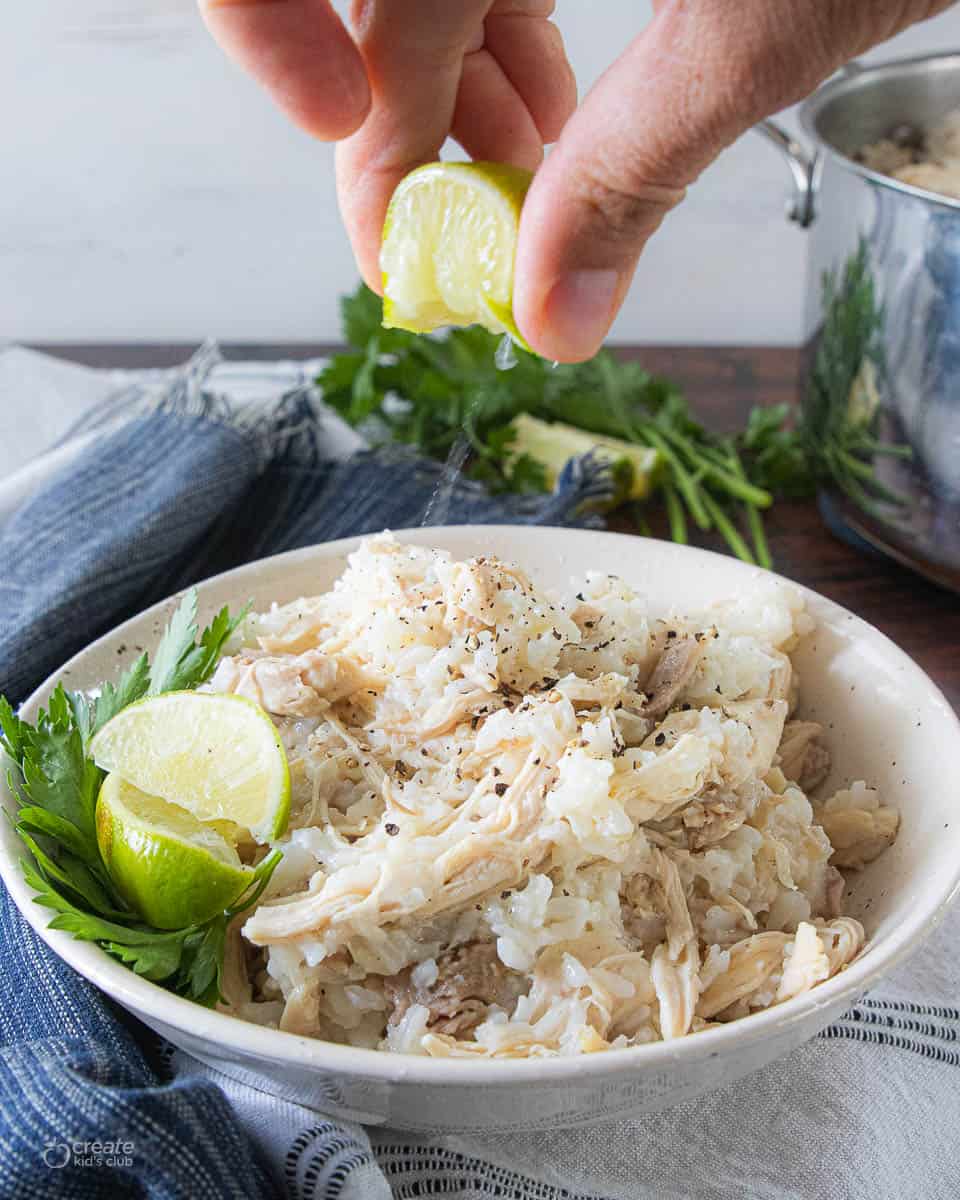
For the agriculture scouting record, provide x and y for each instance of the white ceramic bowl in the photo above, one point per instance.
(886, 722)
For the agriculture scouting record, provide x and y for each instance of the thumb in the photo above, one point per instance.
(649, 126)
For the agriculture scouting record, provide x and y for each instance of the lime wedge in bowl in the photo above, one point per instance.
(449, 241)
(171, 868)
(218, 756)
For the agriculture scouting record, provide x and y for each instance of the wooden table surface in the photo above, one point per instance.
(722, 384)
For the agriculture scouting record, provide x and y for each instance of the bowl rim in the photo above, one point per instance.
(150, 1001)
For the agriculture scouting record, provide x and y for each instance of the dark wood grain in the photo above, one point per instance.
(722, 383)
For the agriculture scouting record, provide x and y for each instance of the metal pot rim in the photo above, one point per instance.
(849, 81)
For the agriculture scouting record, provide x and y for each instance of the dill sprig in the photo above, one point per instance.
(841, 411)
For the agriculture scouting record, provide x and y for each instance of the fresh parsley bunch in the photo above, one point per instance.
(429, 391)
(56, 785)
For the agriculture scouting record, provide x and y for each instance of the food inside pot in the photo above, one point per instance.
(924, 158)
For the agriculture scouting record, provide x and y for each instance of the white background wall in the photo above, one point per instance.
(149, 191)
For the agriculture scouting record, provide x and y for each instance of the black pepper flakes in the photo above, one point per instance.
(659, 739)
(504, 895)
(390, 829)
(500, 788)
(497, 771)
(671, 633)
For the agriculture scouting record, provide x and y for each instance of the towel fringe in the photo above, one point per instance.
(289, 433)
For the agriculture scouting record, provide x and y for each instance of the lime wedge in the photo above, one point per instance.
(170, 867)
(449, 241)
(554, 444)
(218, 756)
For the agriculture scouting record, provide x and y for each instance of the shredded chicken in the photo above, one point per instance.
(711, 818)
(468, 981)
(843, 939)
(805, 964)
(752, 962)
(859, 827)
(473, 854)
(858, 836)
(803, 757)
(833, 891)
(303, 685)
(677, 986)
(673, 672)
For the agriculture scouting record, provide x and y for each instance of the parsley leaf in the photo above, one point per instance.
(92, 714)
(56, 787)
(177, 647)
(180, 663)
(56, 774)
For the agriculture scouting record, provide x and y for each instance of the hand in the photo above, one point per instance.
(490, 73)
(494, 75)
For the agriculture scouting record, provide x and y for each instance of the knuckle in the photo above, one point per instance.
(623, 203)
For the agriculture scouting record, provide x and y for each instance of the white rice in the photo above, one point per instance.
(493, 851)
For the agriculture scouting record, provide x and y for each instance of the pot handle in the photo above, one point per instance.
(804, 165)
(804, 168)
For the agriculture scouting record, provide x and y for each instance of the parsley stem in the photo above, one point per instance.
(684, 482)
(728, 530)
(870, 445)
(761, 548)
(861, 470)
(678, 522)
(859, 495)
(739, 487)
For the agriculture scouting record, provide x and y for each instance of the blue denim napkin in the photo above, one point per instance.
(183, 488)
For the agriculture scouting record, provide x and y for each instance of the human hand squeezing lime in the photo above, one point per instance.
(493, 75)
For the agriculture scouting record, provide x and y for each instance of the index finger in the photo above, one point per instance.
(301, 53)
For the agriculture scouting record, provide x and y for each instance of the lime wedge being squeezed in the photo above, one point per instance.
(449, 241)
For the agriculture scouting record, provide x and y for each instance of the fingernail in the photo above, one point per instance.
(580, 310)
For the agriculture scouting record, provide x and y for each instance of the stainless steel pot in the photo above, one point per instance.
(882, 396)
